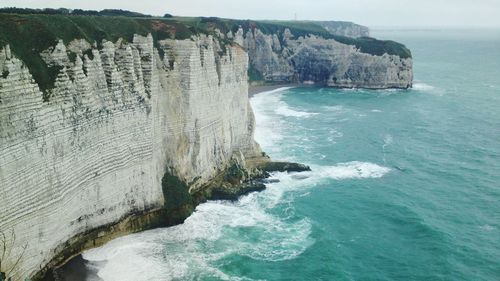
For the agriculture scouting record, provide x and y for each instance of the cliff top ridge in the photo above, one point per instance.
(29, 32)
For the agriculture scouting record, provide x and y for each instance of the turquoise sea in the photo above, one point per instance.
(405, 184)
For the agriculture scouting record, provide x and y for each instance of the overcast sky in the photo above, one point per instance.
(373, 13)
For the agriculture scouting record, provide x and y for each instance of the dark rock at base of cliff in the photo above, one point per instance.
(77, 269)
(284, 167)
(267, 181)
(179, 203)
(237, 182)
(230, 184)
(234, 192)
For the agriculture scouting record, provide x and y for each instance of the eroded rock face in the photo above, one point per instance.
(313, 59)
(328, 62)
(117, 120)
(342, 28)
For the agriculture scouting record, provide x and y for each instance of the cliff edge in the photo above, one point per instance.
(287, 57)
(130, 136)
(112, 125)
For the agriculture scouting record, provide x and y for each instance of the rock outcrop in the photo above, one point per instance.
(283, 58)
(100, 139)
(125, 130)
(345, 28)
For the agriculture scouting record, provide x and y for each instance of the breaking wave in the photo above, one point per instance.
(423, 87)
(249, 228)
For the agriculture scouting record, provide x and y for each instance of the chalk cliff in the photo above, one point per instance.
(115, 125)
(123, 132)
(344, 28)
(287, 58)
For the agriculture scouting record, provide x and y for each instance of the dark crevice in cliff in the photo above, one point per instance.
(179, 204)
(218, 70)
(231, 183)
(135, 221)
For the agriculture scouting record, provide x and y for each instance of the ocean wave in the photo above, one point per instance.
(487, 227)
(268, 129)
(320, 174)
(387, 140)
(275, 91)
(334, 108)
(285, 110)
(216, 231)
(423, 87)
(333, 135)
(353, 170)
(259, 226)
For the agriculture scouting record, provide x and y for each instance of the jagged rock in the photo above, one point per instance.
(343, 28)
(284, 167)
(87, 165)
(79, 46)
(234, 192)
(315, 60)
(128, 128)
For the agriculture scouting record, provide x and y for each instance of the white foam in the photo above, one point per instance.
(487, 227)
(274, 91)
(376, 110)
(273, 98)
(353, 170)
(334, 107)
(268, 129)
(285, 110)
(214, 232)
(220, 229)
(334, 134)
(388, 140)
(423, 87)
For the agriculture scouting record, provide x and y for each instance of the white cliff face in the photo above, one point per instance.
(322, 61)
(335, 64)
(343, 28)
(114, 124)
(268, 56)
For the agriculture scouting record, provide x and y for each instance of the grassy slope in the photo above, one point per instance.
(28, 35)
(301, 28)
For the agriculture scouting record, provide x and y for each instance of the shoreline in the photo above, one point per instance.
(79, 269)
(257, 89)
(262, 88)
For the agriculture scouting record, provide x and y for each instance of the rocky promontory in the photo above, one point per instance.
(327, 61)
(112, 125)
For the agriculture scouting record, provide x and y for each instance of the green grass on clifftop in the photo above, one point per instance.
(30, 34)
(299, 28)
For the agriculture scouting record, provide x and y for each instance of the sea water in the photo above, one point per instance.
(405, 184)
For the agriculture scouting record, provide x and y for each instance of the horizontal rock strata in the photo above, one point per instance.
(93, 161)
(284, 58)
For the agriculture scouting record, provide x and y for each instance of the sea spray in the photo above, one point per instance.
(403, 185)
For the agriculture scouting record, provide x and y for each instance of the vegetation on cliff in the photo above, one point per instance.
(29, 35)
(31, 31)
(298, 28)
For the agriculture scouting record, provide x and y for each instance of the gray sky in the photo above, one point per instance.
(373, 13)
